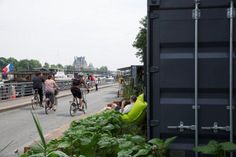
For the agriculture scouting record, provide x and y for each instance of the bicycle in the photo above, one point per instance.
(76, 106)
(35, 99)
(49, 105)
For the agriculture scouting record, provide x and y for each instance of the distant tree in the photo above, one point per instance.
(141, 39)
(14, 62)
(53, 66)
(103, 69)
(46, 65)
(35, 64)
(69, 68)
(60, 66)
(24, 65)
(3, 62)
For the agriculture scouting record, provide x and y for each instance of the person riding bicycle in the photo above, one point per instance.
(50, 89)
(76, 85)
(38, 85)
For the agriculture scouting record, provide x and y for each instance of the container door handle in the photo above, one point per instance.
(182, 127)
(215, 128)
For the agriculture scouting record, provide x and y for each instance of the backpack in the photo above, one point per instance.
(75, 82)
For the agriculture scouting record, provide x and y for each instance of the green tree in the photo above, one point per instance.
(24, 65)
(70, 68)
(3, 62)
(14, 62)
(60, 66)
(35, 64)
(53, 66)
(103, 69)
(46, 65)
(141, 39)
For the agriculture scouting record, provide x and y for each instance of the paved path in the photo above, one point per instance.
(25, 101)
(17, 125)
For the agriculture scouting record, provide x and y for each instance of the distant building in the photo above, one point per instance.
(80, 63)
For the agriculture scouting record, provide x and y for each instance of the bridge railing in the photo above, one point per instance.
(21, 89)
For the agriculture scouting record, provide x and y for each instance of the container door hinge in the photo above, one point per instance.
(215, 128)
(196, 13)
(228, 107)
(231, 12)
(154, 69)
(154, 2)
(154, 123)
(182, 127)
(193, 107)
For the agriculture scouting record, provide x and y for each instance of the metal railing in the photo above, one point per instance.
(17, 90)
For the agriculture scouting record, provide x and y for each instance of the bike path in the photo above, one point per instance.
(25, 101)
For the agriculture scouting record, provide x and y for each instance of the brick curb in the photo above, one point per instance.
(3, 109)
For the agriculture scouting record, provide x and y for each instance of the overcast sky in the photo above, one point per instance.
(54, 31)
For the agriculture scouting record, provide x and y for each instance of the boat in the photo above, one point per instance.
(61, 76)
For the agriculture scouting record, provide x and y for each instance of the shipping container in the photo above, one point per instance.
(190, 68)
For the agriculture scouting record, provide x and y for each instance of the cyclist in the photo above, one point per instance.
(50, 89)
(76, 85)
(38, 85)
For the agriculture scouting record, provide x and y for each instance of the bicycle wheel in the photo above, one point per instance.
(34, 102)
(47, 104)
(73, 109)
(84, 108)
(54, 106)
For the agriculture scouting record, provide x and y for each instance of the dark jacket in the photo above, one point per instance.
(37, 82)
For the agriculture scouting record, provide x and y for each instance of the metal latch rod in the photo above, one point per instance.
(182, 127)
(215, 128)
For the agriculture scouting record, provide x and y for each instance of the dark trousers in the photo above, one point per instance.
(50, 96)
(96, 85)
(40, 92)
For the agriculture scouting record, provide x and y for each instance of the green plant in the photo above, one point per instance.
(41, 150)
(160, 147)
(128, 91)
(216, 149)
(100, 135)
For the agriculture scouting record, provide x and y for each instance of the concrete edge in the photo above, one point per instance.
(3, 109)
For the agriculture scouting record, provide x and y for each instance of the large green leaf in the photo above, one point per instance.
(210, 148)
(37, 155)
(108, 127)
(40, 130)
(156, 141)
(104, 144)
(142, 152)
(64, 145)
(92, 129)
(125, 153)
(138, 139)
(168, 141)
(126, 145)
(85, 141)
(136, 148)
(228, 146)
(57, 154)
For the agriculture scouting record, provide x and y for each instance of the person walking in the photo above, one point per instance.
(96, 84)
(38, 85)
